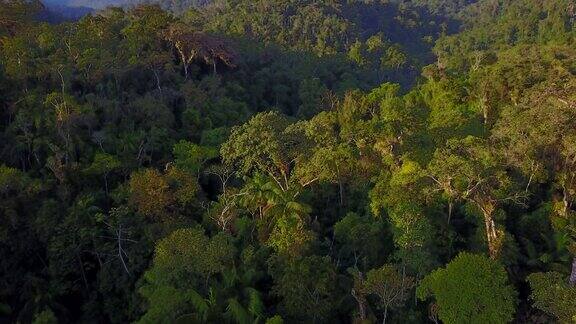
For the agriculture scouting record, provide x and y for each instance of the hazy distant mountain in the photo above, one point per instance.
(71, 10)
(55, 12)
(94, 4)
(175, 5)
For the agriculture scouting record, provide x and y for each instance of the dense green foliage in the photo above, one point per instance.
(472, 289)
(288, 161)
(554, 295)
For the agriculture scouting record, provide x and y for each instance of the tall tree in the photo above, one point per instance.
(471, 289)
(468, 170)
(390, 286)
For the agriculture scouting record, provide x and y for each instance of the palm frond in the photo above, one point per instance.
(199, 303)
(237, 313)
(255, 305)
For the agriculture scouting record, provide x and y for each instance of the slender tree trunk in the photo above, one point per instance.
(565, 201)
(157, 79)
(340, 187)
(185, 71)
(106, 184)
(573, 274)
(120, 250)
(62, 83)
(82, 272)
(484, 103)
(362, 311)
(385, 315)
(492, 236)
(361, 306)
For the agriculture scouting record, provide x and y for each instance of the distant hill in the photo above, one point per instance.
(56, 13)
(74, 9)
(174, 5)
(93, 4)
(70, 10)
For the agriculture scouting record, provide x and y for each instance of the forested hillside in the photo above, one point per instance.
(289, 161)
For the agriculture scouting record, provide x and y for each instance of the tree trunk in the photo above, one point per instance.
(340, 187)
(82, 272)
(450, 208)
(185, 71)
(484, 109)
(157, 79)
(573, 274)
(385, 314)
(361, 306)
(493, 236)
(106, 184)
(565, 201)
